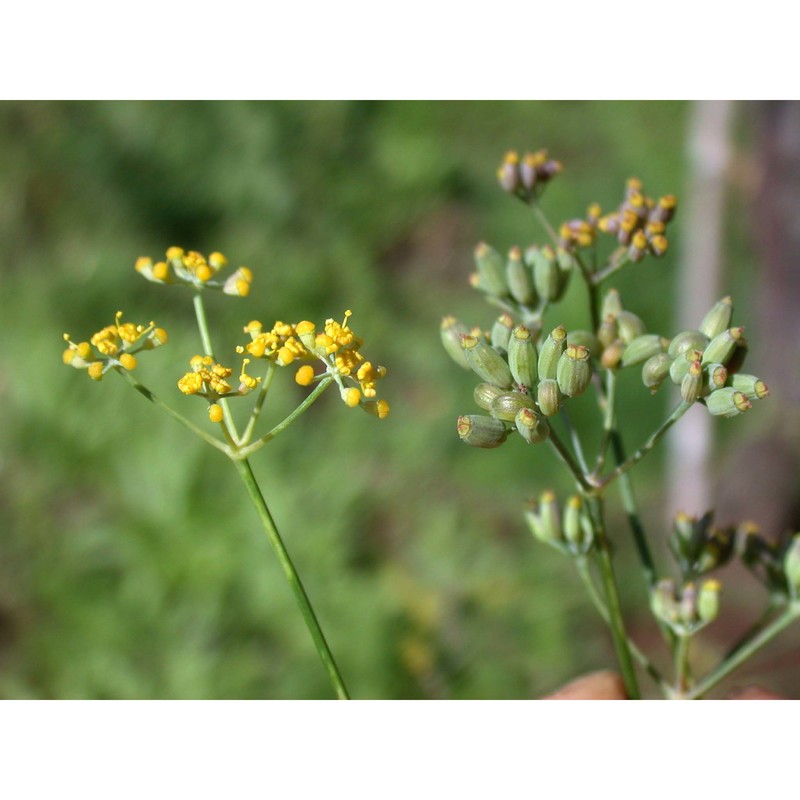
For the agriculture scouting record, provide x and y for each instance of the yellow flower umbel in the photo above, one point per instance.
(280, 344)
(113, 346)
(194, 269)
(210, 380)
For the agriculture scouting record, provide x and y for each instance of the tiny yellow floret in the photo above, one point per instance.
(351, 397)
(215, 412)
(305, 375)
(128, 361)
(160, 271)
(96, 370)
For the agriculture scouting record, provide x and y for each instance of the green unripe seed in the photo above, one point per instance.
(534, 520)
(550, 352)
(480, 431)
(546, 273)
(630, 326)
(549, 397)
(484, 395)
(586, 339)
(451, 332)
(551, 516)
(573, 531)
(692, 383)
(642, 348)
(574, 370)
(566, 266)
(491, 270)
(531, 426)
(655, 370)
(721, 347)
(486, 362)
(718, 318)
(506, 405)
(727, 402)
(680, 366)
(688, 340)
(501, 332)
(612, 304)
(716, 376)
(519, 278)
(754, 388)
(522, 358)
(608, 332)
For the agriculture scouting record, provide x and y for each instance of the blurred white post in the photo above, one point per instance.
(698, 288)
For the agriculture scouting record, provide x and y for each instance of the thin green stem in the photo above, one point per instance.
(304, 604)
(281, 426)
(565, 455)
(575, 439)
(591, 287)
(746, 650)
(616, 622)
(259, 404)
(614, 266)
(582, 566)
(205, 338)
(651, 442)
(607, 403)
(544, 222)
(755, 628)
(157, 401)
(682, 664)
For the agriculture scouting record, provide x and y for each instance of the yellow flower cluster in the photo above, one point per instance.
(195, 269)
(336, 345)
(113, 346)
(209, 379)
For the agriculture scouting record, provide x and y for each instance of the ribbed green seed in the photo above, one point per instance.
(688, 340)
(484, 395)
(586, 339)
(718, 318)
(642, 348)
(491, 270)
(451, 332)
(501, 331)
(721, 347)
(506, 405)
(522, 358)
(655, 370)
(546, 273)
(752, 387)
(692, 383)
(680, 366)
(480, 431)
(727, 402)
(574, 370)
(533, 428)
(550, 514)
(486, 362)
(630, 326)
(549, 397)
(519, 278)
(549, 353)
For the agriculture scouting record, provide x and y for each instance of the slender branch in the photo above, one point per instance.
(651, 442)
(790, 614)
(157, 401)
(615, 265)
(259, 404)
(306, 609)
(755, 628)
(682, 665)
(616, 622)
(543, 221)
(281, 426)
(583, 570)
(591, 287)
(575, 439)
(205, 338)
(607, 404)
(565, 455)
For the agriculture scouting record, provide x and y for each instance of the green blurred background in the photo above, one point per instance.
(132, 566)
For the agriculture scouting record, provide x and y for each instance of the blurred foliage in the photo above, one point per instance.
(131, 565)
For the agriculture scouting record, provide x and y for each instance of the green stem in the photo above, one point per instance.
(652, 441)
(682, 665)
(281, 426)
(591, 287)
(575, 439)
(157, 401)
(565, 455)
(304, 604)
(205, 338)
(746, 650)
(754, 629)
(259, 404)
(616, 622)
(543, 221)
(583, 570)
(614, 266)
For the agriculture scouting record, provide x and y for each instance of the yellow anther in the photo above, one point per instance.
(160, 271)
(203, 273)
(305, 375)
(242, 288)
(383, 409)
(351, 397)
(217, 261)
(285, 356)
(215, 413)
(174, 252)
(96, 370)
(143, 263)
(191, 383)
(128, 361)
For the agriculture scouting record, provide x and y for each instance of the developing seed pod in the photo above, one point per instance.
(550, 513)
(791, 566)
(663, 602)
(727, 402)
(642, 348)
(486, 362)
(664, 210)
(501, 332)
(531, 426)
(551, 351)
(508, 174)
(612, 355)
(451, 332)
(522, 358)
(655, 370)
(491, 270)
(585, 339)
(718, 318)
(484, 394)
(546, 273)
(549, 397)
(721, 347)
(638, 247)
(506, 405)
(752, 387)
(534, 520)
(612, 304)
(680, 366)
(688, 605)
(716, 551)
(716, 377)
(736, 361)
(573, 531)
(480, 431)
(708, 600)
(688, 340)
(574, 370)
(692, 383)
(608, 332)
(519, 278)
(658, 245)
(630, 326)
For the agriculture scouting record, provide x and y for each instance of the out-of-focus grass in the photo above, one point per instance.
(130, 562)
